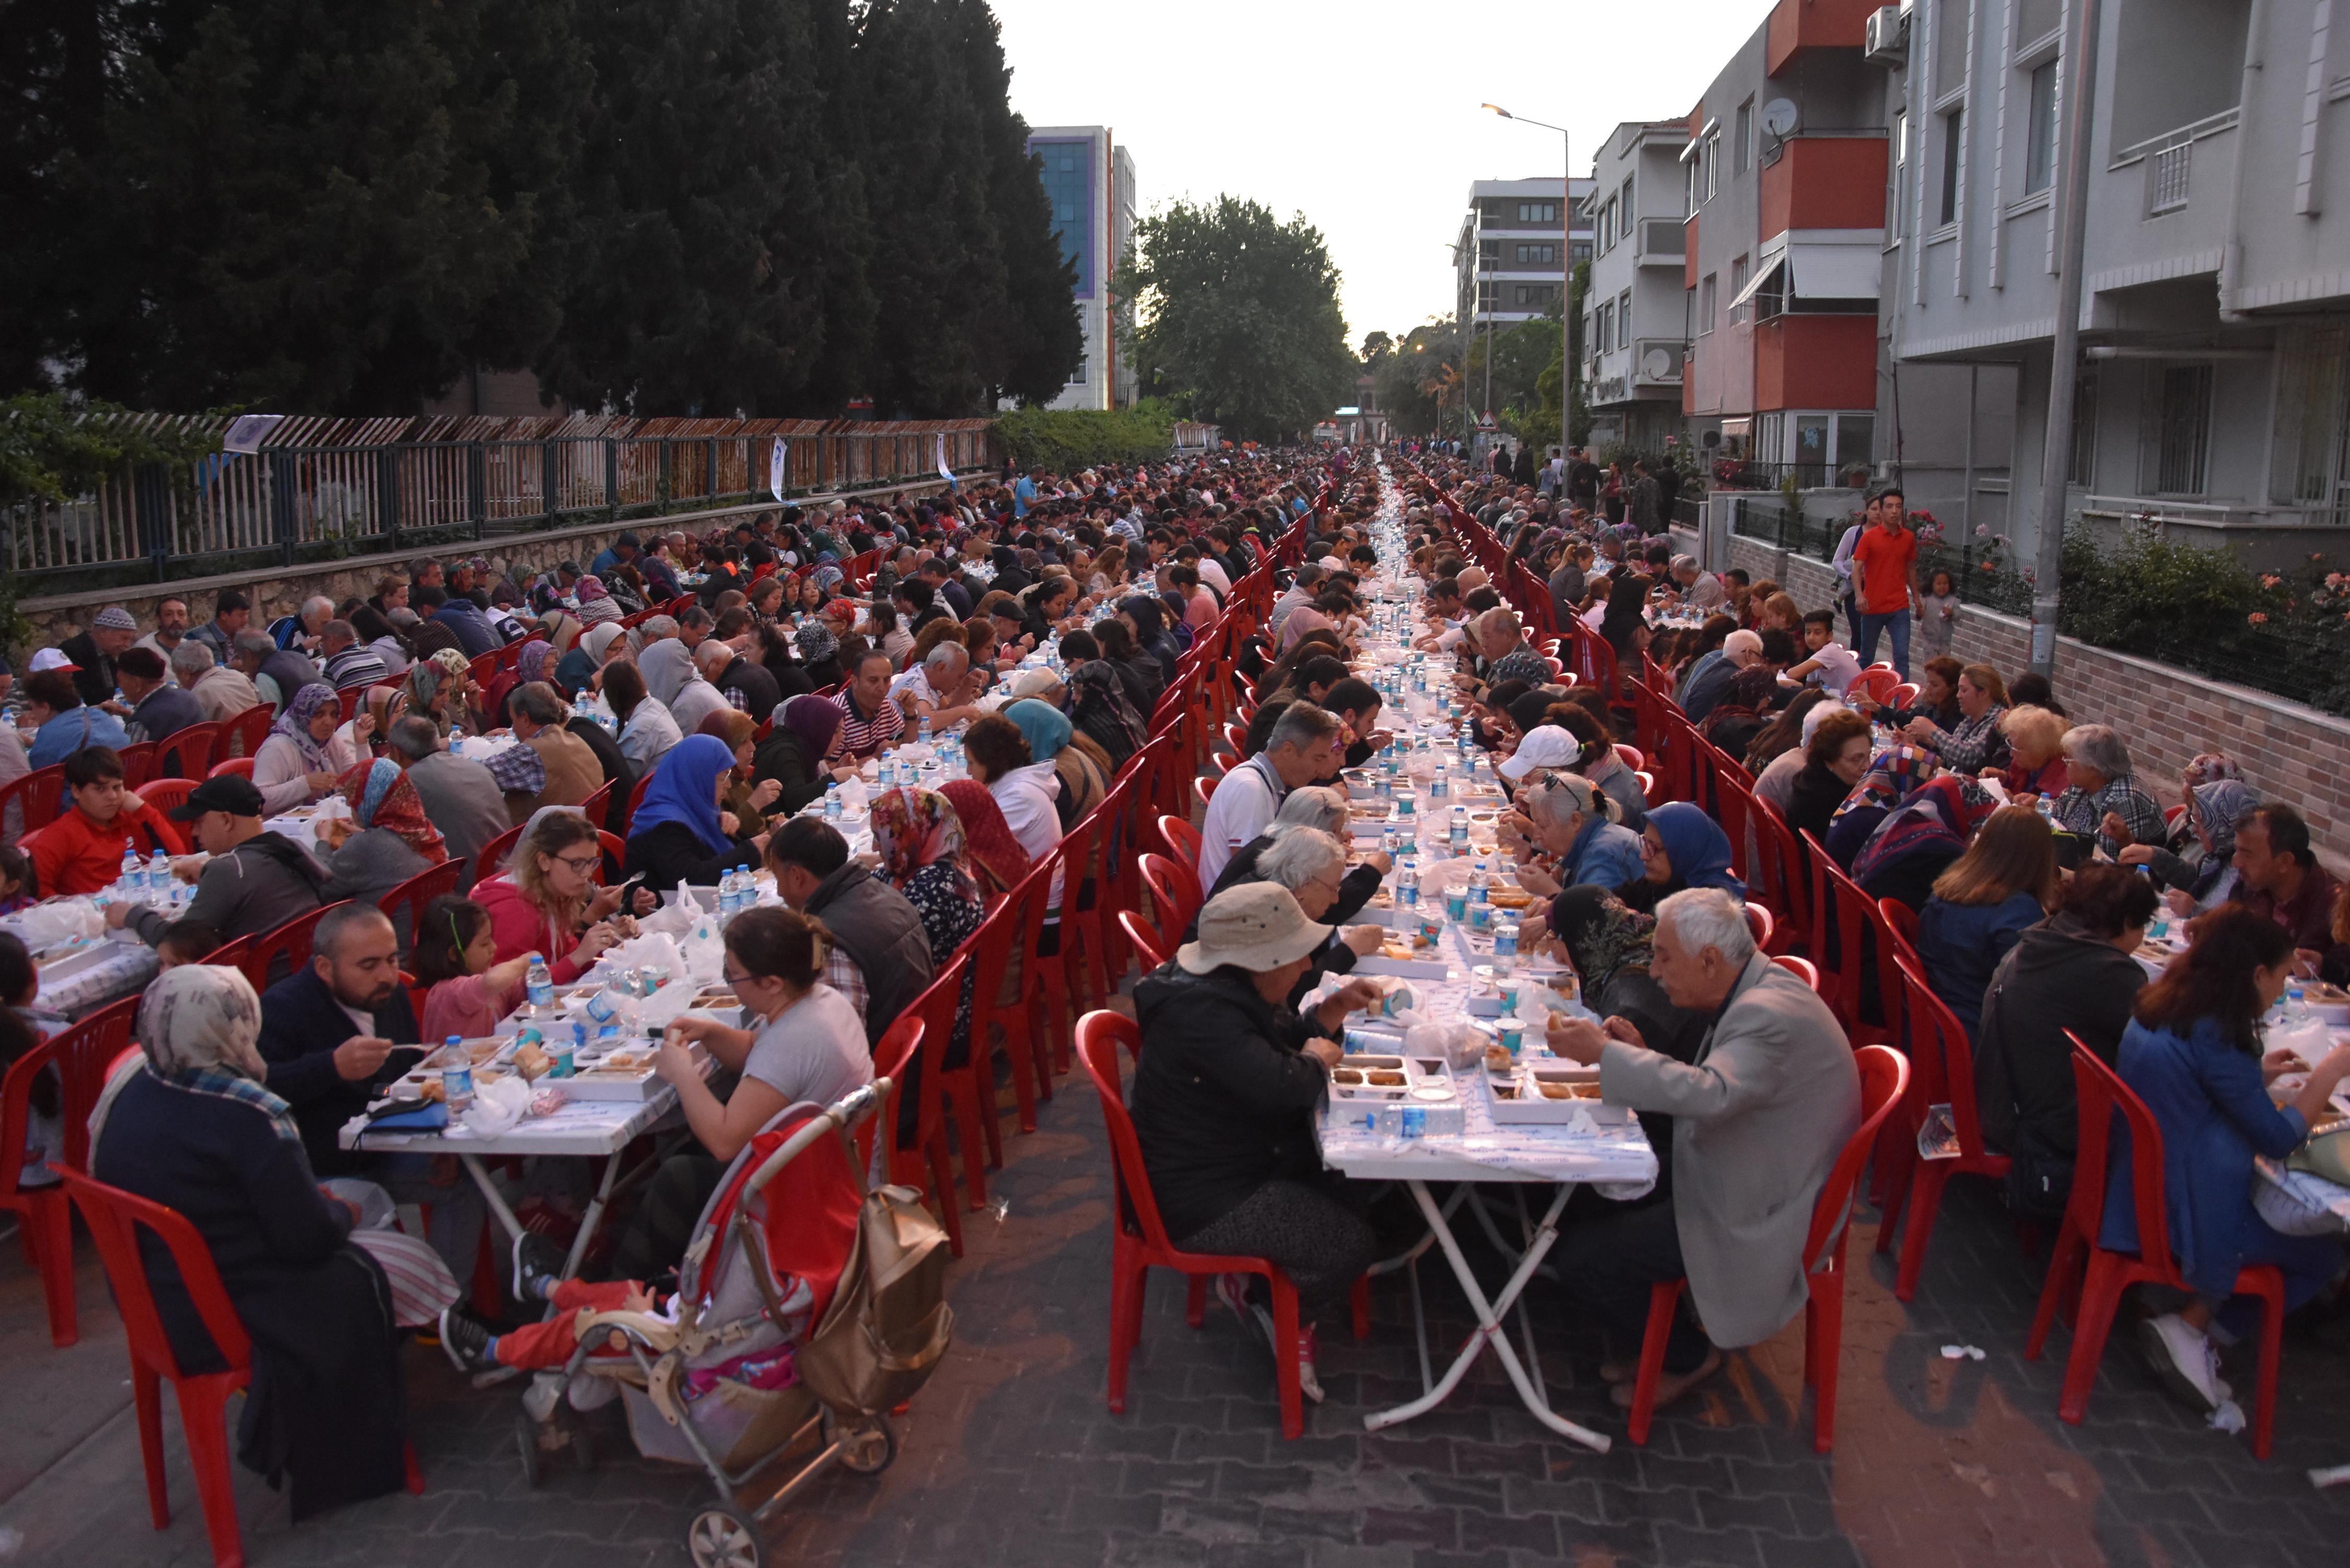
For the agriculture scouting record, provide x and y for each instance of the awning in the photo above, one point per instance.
(1739, 426)
(1835, 272)
(1771, 269)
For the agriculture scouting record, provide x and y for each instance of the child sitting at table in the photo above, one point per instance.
(21, 1034)
(20, 885)
(455, 954)
(186, 941)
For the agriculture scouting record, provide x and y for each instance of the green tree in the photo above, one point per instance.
(1237, 317)
(1418, 380)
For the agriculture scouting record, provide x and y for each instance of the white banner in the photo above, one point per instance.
(247, 432)
(945, 473)
(778, 467)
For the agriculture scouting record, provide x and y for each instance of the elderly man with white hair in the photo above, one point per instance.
(1326, 812)
(1312, 864)
(1760, 1114)
(940, 687)
(302, 630)
(1741, 649)
(697, 696)
(1698, 589)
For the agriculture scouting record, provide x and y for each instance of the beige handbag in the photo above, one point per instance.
(889, 1324)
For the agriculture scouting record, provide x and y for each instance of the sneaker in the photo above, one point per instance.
(466, 1341)
(537, 1267)
(1232, 1291)
(2183, 1359)
(1309, 1383)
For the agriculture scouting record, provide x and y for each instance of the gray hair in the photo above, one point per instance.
(1298, 854)
(315, 603)
(655, 627)
(2097, 747)
(339, 628)
(537, 701)
(713, 650)
(1567, 794)
(1706, 917)
(414, 738)
(1301, 724)
(1316, 806)
(260, 644)
(192, 659)
(944, 654)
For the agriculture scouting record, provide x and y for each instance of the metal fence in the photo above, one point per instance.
(322, 488)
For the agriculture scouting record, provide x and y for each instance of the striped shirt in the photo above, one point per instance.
(862, 737)
(358, 665)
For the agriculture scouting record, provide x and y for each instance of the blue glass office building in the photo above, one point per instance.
(1089, 179)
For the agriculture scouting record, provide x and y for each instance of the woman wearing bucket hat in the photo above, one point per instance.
(1224, 1104)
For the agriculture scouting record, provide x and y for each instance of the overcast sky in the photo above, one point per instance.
(1362, 115)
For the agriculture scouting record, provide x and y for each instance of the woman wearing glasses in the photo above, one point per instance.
(547, 901)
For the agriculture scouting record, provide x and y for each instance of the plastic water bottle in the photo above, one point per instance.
(159, 873)
(133, 879)
(725, 895)
(1408, 884)
(1440, 784)
(923, 730)
(538, 984)
(832, 802)
(1481, 883)
(1460, 827)
(2296, 1012)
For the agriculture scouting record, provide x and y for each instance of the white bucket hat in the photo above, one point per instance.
(1257, 926)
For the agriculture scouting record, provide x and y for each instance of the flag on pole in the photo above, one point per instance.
(778, 467)
(946, 473)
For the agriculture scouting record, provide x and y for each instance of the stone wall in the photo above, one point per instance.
(275, 592)
(2166, 715)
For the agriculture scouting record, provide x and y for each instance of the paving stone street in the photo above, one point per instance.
(1011, 1456)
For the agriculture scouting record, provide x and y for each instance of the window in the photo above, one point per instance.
(1534, 295)
(1689, 178)
(1737, 274)
(1900, 172)
(1538, 212)
(1067, 178)
(1537, 255)
(1954, 144)
(1626, 209)
(1705, 304)
(1607, 227)
(1712, 159)
(2081, 468)
(1078, 376)
(1484, 295)
(1489, 252)
(1855, 437)
(2182, 430)
(1624, 317)
(1606, 321)
(1578, 251)
(2040, 147)
(2312, 464)
(1812, 444)
(1689, 313)
(1742, 145)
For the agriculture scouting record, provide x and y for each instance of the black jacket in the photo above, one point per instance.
(670, 853)
(759, 689)
(2057, 977)
(615, 763)
(1812, 800)
(301, 1024)
(782, 758)
(1224, 1101)
(93, 676)
(875, 926)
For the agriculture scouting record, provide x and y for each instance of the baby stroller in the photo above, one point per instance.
(807, 1308)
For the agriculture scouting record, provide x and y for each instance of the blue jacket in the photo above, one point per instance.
(71, 731)
(2215, 1115)
(1962, 943)
(472, 628)
(1606, 855)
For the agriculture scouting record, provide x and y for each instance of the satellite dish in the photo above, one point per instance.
(1657, 364)
(1780, 117)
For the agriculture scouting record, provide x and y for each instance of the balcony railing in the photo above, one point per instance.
(2169, 160)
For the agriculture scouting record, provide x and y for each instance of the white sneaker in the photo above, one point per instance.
(2183, 1357)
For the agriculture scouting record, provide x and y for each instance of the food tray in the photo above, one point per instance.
(1381, 1076)
(1411, 969)
(1517, 1097)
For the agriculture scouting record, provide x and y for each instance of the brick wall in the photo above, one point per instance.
(2166, 715)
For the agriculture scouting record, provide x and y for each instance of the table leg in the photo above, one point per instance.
(1488, 1326)
(594, 1217)
(490, 1193)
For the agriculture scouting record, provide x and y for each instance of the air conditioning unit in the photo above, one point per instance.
(1887, 41)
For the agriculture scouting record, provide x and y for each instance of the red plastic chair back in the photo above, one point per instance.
(235, 767)
(1203, 787)
(1758, 921)
(1806, 970)
(1150, 950)
(1099, 1035)
(1884, 1081)
(1941, 1061)
(115, 1219)
(37, 795)
(484, 666)
(615, 856)
(231, 955)
(493, 854)
(405, 904)
(247, 730)
(635, 799)
(1876, 683)
(137, 764)
(290, 941)
(2102, 1095)
(598, 806)
(1174, 893)
(1182, 841)
(187, 754)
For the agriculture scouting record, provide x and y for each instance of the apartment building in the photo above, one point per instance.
(1089, 179)
(1635, 313)
(1515, 251)
(2214, 391)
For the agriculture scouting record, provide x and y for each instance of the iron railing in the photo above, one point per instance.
(323, 489)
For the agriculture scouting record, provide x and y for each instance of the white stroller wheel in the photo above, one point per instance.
(723, 1536)
(868, 1449)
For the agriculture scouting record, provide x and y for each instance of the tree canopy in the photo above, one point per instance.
(1237, 317)
(669, 207)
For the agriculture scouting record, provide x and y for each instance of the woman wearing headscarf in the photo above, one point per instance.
(532, 661)
(575, 670)
(748, 797)
(1138, 674)
(1098, 707)
(2213, 810)
(386, 840)
(299, 761)
(919, 835)
(992, 853)
(1051, 740)
(192, 1126)
(1146, 617)
(1682, 847)
(819, 647)
(1894, 774)
(801, 752)
(1917, 842)
(679, 833)
(437, 684)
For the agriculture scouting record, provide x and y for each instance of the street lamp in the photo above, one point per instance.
(1567, 275)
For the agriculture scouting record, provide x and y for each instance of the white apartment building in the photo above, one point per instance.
(1635, 313)
(1515, 251)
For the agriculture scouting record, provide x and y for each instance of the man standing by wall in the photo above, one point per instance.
(1884, 578)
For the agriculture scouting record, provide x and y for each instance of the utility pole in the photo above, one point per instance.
(2079, 74)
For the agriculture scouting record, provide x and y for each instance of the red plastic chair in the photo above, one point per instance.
(188, 753)
(615, 856)
(493, 854)
(1203, 787)
(246, 731)
(635, 799)
(1011, 928)
(598, 806)
(115, 1219)
(921, 1162)
(2085, 1281)
(1140, 1244)
(1902, 921)
(1884, 1079)
(1943, 1074)
(893, 1059)
(1806, 970)
(1758, 921)
(137, 764)
(290, 941)
(1877, 682)
(79, 1057)
(231, 955)
(1182, 841)
(1077, 978)
(235, 767)
(1902, 696)
(1150, 950)
(1174, 894)
(37, 794)
(410, 898)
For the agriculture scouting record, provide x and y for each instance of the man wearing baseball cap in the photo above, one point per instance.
(93, 652)
(1224, 1100)
(255, 881)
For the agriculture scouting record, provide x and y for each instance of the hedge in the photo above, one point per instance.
(1063, 441)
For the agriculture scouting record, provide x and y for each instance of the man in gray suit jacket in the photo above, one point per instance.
(1759, 1118)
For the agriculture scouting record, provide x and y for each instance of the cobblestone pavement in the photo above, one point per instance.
(1010, 1454)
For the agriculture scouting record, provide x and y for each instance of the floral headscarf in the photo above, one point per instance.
(295, 724)
(590, 588)
(199, 1026)
(531, 663)
(1601, 934)
(816, 641)
(2220, 806)
(2211, 767)
(596, 602)
(913, 828)
(1892, 774)
(994, 855)
(380, 795)
(426, 675)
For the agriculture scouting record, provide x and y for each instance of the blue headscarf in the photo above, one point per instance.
(685, 789)
(1044, 727)
(1697, 847)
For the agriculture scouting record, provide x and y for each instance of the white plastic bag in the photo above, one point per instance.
(498, 1105)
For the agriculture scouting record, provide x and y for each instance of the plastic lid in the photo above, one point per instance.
(454, 1040)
